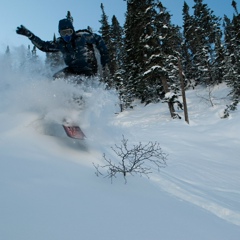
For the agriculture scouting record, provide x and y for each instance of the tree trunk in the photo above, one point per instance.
(183, 91)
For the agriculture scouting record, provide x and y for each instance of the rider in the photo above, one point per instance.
(83, 52)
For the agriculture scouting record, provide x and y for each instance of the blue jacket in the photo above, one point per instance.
(81, 54)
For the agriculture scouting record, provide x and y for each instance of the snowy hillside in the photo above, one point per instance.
(49, 189)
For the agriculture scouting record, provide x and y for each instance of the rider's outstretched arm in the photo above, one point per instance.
(45, 46)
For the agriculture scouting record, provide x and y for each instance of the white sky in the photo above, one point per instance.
(42, 16)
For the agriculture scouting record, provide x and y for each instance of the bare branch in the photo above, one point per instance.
(140, 159)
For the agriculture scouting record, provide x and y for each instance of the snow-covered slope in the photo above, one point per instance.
(48, 185)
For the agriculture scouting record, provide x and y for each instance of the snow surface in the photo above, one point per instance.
(48, 186)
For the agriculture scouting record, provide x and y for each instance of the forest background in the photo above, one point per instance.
(154, 60)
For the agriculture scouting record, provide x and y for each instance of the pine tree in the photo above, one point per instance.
(234, 4)
(168, 57)
(89, 29)
(188, 45)
(69, 16)
(151, 52)
(116, 36)
(105, 28)
(34, 52)
(202, 44)
(232, 63)
(116, 51)
(134, 58)
(105, 31)
(7, 60)
(7, 52)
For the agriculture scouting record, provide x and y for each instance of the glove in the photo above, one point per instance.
(24, 31)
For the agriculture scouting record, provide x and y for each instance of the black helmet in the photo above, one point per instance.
(66, 29)
(64, 24)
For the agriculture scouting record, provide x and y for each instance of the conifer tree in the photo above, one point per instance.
(69, 16)
(232, 63)
(105, 32)
(34, 51)
(34, 54)
(133, 58)
(202, 43)
(105, 27)
(8, 59)
(234, 4)
(89, 29)
(116, 51)
(188, 45)
(116, 36)
(137, 27)
(7, 52)
(168, 57)
(151, 52)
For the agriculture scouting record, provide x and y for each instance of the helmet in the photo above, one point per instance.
(66, 29)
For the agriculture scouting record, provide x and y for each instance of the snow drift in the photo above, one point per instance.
(48, 185)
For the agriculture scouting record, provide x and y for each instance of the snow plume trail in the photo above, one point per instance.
(188, 195)
(28, 88)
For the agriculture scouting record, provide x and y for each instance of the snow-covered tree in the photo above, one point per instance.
(232, 62)
(202, 34)
(151, 52)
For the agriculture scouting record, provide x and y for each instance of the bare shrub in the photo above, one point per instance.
(140, 160)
